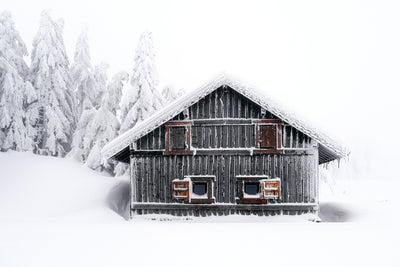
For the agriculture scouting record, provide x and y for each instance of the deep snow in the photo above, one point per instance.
(55, 212)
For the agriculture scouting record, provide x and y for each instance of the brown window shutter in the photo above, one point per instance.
(268, 136)
(177, 138)
(271, 189)
(180, 190)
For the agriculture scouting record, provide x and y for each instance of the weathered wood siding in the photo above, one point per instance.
(224, 104)
(223, 119)
(297, 173)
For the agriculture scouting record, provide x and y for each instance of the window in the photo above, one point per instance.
(177, 138)
(194, 189)
(252, 188)
(200, 189)
(268, 136)
(257, 189)
(177, 135)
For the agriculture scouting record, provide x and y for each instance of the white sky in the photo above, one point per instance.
(335, 62)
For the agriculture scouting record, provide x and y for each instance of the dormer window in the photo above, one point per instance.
(177, 135)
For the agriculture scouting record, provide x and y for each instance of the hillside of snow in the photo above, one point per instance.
(56, 212)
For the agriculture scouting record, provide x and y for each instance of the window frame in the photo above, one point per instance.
(193, 198)
(188, 125)
(278, 133)
(261, 197)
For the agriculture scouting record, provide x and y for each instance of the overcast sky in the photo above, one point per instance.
(335, 62)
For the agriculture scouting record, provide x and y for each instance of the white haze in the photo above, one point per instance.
(337, 63)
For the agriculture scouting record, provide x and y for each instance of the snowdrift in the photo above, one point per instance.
(55, 212)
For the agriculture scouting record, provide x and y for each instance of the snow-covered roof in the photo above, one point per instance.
(185, 101)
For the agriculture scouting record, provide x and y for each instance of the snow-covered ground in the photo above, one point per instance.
(55, 212)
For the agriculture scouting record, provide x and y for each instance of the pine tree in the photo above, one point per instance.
(82, 72)
(16, 94)
(51, 78)
(169, 94)
(79, 151)
(142, 97)
(100, 78)
(105, 126)
(81, 148)
(89, 84)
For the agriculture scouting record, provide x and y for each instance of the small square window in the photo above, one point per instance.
(268, 136)
(252, 188)
(200, 189)
(178, 138)
(196, 189)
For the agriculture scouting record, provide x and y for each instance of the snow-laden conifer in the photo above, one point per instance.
(142, 97)
(82, 73)
(169, 94)
(16, 94)
(81, 149)
(51, 78)
(100, 78)
(104, 126)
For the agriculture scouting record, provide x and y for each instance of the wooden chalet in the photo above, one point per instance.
(223, 149)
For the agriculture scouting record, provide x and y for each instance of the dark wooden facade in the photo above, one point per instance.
(224, 137)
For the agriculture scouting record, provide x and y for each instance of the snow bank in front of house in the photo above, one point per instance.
(55, 212)
(33, 186)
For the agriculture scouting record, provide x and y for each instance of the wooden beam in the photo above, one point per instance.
(226, 152)
(248, 207)
(221, 122)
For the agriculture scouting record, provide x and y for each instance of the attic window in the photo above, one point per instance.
(177, 137)
(268, 136)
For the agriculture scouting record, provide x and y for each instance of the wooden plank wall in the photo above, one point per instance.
(155, 175)
(297, 171)
(224, 103)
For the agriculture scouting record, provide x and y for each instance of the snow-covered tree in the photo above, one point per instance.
(100, 78)
(80, 150)
(16, 94)
(51, 78)
(142, 97)
(169, 94)
(104, 127)
(82, 72)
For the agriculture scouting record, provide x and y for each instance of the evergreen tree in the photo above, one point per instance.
(169, 94)
(142, 97)
(51, 78)
(81, 148)
(100, 78)
(105, 126)
(16, 94)
(82, 73)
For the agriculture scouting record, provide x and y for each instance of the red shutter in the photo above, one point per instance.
(268, 136)
(271, 189)
(180, 190)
